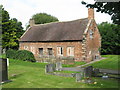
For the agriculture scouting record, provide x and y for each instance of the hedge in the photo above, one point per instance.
(23, 55)
(11, 53)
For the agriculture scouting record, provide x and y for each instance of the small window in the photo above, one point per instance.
(26, 47)
(40, 51)
(50, 52)
(60, 50)
(91, 34)
(70, 51)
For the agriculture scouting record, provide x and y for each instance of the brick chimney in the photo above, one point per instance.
(90, 13)
(32, 22)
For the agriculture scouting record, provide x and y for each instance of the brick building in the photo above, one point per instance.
(79, 39)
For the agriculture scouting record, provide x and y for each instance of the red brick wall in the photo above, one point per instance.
(77, 47)
(93, 45)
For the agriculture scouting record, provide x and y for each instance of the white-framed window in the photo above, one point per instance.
(70, 51)
(91, 34)
(26, 47)
(60, 51)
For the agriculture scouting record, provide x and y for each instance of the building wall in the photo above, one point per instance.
(92, 44)
(34, 48)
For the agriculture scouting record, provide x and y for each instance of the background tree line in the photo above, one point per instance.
(110, 33)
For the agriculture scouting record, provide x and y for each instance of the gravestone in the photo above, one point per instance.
(50, 68)
(88, 71)
(78, 77)
(3, 71)
(58, 66)
(96, 72)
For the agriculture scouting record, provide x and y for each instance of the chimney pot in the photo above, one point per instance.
(90, 13)
(32, 22)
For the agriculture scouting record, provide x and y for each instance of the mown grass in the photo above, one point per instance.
(111, 62)
(74, 65)
(32, 75)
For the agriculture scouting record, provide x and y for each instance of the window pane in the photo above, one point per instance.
(41, 51)
(50, 51)
(59, 50)
(70, 51)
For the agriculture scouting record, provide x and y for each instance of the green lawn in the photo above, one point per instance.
(32, 75)
(74, 65)
(111, 62)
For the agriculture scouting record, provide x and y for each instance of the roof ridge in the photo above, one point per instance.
(59, 22)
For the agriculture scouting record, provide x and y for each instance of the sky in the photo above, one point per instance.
(64, 10)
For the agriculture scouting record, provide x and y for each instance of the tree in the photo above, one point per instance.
(11, 30)
(41, 18)
(110, 34)
(112, 8)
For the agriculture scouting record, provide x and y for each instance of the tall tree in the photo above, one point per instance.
(112, 8)
(110, 38)
(11, 30)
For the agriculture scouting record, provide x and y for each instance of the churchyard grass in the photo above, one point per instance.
(111, 62)
(32, 75)
(74, 65)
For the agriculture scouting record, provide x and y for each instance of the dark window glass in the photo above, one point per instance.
(41, 51)
(50, 51)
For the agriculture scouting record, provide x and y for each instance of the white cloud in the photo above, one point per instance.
(64, 10)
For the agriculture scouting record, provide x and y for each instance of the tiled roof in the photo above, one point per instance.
(57, 31)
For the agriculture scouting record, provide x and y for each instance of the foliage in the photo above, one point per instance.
(41, 18)
(110, 34)
(25, 55)
(112, 8)
(11, 30)
(32, 75)
(20, 55)
(11, 54)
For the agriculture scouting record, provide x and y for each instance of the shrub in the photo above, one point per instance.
(11, 53)
(25, 55)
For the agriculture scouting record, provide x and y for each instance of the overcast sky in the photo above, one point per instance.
(64, 10)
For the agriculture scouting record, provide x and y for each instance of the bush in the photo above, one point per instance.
(25, 55)
(20, 55)
(11, 53)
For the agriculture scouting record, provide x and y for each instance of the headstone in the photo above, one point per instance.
(58, 66)
(88, 71)
(78, 77)
(96, 72)
(3, 71)
(50, 68)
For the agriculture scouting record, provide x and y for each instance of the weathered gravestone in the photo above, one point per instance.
(79, 77)
(58, 66)
(88, 71)
(96, 72)
(50, 68)
(3, 71)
